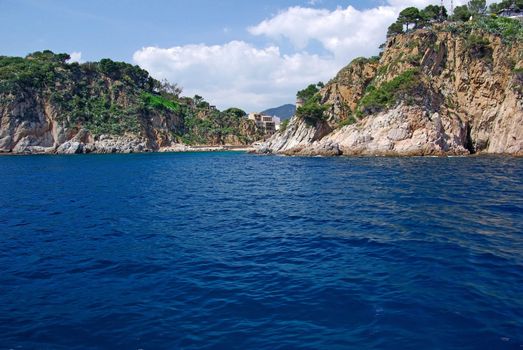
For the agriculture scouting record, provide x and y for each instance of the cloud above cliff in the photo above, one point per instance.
(76, 56)
(344, 32)
(236, 73)
(305, 45)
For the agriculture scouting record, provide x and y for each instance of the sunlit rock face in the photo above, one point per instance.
(447, 98)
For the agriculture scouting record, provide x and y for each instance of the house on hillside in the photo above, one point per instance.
(269, 124)
(512, 12)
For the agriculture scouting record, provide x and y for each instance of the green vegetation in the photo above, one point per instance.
(510, 30)
(283, 125)
(410, 15)
(408, 86)
(413, 18)
(383, 70)
(311, 110)
(127, 73)
(395, 28)
(102, 117)
(115, 98)
(478, 46)
(505, 4)
(473, 9)
(416, 59)
(387, 94)
(83, 94)
(311, 90)
(238, 113)
(477, 7)
(434, 13)
(36, 70)
(348, 121)
(159, 102)
(365, 60)
(461, 13)
(206, 125)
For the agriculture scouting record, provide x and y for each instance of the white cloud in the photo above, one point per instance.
(76, 56)
(343, 32)
(236, 73)
(239, 74)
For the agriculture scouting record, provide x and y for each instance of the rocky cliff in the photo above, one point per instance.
(451, 89)
(50, 106)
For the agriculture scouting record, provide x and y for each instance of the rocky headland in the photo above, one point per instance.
(48, 105)
(444, 87)
(448, 88)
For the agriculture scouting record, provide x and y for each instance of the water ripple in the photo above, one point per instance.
(232, 251)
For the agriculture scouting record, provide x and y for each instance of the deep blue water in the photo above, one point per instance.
(235, 251)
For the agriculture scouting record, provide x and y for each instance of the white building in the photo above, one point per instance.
(512, 12)
(268, 123)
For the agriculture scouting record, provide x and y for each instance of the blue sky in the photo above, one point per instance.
(250, 54)
(117, 28)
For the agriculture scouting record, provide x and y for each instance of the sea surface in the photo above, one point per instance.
(237, 251)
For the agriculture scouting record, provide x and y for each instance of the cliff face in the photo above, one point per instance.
(50, 106)
(31, 122)
(433, 91)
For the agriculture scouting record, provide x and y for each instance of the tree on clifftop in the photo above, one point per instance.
(461, 13)
(434, 12)
(477, 7)
(312, 110)
(168, 89)
(416, 18)
(238, 113)
(311, 90)
(410, 15)
(50, 56)
(395, 28)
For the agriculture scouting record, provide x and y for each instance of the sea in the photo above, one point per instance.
(230, 250)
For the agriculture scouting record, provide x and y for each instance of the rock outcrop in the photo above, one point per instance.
(433, 91)
(50, 106)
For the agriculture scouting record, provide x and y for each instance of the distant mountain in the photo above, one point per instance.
(282, 112)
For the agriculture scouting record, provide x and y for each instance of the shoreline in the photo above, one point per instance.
(252, 150)
(175, 149)
(203, 148)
